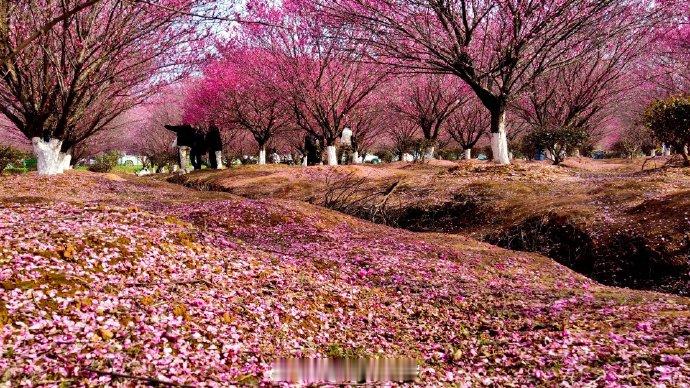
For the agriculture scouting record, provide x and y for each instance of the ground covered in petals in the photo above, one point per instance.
(105, 279)
(623, 222)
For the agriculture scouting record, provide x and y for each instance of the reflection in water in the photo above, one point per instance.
(344, 370)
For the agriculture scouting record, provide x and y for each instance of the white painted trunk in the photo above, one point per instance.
(499, 147)
(48, 158)
(219, 160)
(332, 156)
(685, 149)
(304, 161)
(666, 150)
(652, 153)
(576, 152)
(467, 154)
(185, 160)
(499, 140)
(429, 153)
(355, 158)
(65, 161)
(262, 156)
(548, 155)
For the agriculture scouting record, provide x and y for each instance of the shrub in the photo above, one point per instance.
(105, 162)
(450, 153)
(669, 120)
(31, 163)
(634, 141)
(587, 148)
(522, 150)
(626, 148)
(556, 140)
(11, 157)
(420, 147)
(16, 170)
(386, 155)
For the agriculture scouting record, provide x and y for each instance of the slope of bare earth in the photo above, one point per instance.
(610, 220)
(110, 280)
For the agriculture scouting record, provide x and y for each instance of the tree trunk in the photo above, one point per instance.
(666, 150)
(576, 153)
(467, 154)
(219, 160)
(65, 159)
(305, 162)
(262, 155)
(429, 153)
(332, 156)
(652, 153)
(499, 140)
(48, 157)
(185, 160)
(355, 158)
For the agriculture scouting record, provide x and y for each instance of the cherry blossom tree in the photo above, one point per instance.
(241, 90)
(7, 8)
(428, 101)
(668, 67)
(85, 71)
(497, 47)
(146, 135)
(367, 123)
(468, 125)
(323, 79)
(583, 94)
(403, 135)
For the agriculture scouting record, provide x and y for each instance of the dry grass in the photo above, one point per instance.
(527, 205)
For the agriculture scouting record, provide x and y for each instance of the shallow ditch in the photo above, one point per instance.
(616, 258)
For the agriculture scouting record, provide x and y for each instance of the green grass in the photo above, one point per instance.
(119, 169)
(127, 168)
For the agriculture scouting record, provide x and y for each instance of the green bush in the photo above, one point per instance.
(16, 170)
(669, 120)
(31, 163)
(105, 162)
(11, 157)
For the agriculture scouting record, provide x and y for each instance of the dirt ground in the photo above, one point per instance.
(623, 222)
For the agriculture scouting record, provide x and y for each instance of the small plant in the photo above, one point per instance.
(669, 120)
(11, 157)
(31, 163)
(105, 162)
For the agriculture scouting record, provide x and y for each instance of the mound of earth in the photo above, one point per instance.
(609, 220)
(139, 282)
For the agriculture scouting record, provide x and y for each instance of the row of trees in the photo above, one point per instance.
(395, 72)
(405, 73)
(66, 78)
